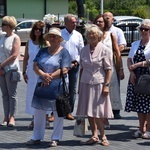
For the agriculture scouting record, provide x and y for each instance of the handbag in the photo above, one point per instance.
(62, 101)
(43, 91)
(142, 85)
(116, 60)
(80, 127)
(15, 76)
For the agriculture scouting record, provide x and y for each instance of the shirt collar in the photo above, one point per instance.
(68, 32)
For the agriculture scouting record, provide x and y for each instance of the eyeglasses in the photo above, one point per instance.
(98, 22)
(38, 29)
(52, 36)
(4, 24)
(144, 29)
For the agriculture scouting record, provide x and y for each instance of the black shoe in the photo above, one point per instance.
(33, 142)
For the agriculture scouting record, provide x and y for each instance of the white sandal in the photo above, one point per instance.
(146, 135)
(53, 143)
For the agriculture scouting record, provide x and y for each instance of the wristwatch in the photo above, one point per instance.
(106, 84)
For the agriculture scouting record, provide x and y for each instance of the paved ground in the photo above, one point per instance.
(119, 135)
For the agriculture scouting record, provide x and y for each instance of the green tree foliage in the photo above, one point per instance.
(123, 7)
(73, 7)
(139, 8)
(140, 11)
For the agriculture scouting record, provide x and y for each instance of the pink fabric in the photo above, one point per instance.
(94, 65)
(92, 103)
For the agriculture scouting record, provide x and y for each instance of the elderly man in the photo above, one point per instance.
(117, 31)
(121, 43)
(73, 42)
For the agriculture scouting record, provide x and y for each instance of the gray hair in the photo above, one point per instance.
(94, 28)
(68, 17)
(145, 22)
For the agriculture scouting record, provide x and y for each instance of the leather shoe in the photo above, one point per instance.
(33, 142)
(69, 117)
(51, 118)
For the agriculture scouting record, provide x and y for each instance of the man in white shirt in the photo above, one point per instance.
(73, 42)
(117, 31)
(121, 44)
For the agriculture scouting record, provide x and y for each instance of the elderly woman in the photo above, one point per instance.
(95, 75)
(9, 50)
(48, 64)
(138, 56)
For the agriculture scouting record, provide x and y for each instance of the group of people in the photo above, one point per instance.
(98, 66)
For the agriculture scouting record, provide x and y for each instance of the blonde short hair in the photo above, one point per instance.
(145, 22)
(94, 28)
(10, 21)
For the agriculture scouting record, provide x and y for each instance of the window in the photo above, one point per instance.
(25, 25)
(2, 8)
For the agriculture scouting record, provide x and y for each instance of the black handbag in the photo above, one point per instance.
(142, 85)
(62, 101)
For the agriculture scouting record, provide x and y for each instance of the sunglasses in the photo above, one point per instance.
(38, 29)
(144, 29)
(4, 24)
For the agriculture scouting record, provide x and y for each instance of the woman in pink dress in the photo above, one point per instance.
(95, 74)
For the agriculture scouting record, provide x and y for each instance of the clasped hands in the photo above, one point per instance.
(47, 78)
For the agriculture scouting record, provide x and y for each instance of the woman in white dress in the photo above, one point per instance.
(33, 46)
(109, 39)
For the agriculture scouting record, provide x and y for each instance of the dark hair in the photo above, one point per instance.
(99, 16)
(42, 41)
(105, 21)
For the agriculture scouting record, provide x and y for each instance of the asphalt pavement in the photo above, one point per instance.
(119, 134)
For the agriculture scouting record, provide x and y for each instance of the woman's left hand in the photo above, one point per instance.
(105, 90)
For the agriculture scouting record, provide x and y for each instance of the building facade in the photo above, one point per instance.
(34, 9)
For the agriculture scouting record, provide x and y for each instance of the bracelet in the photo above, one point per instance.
(106, 84)
(23, 73)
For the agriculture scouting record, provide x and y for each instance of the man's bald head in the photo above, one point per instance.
(108, 16)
